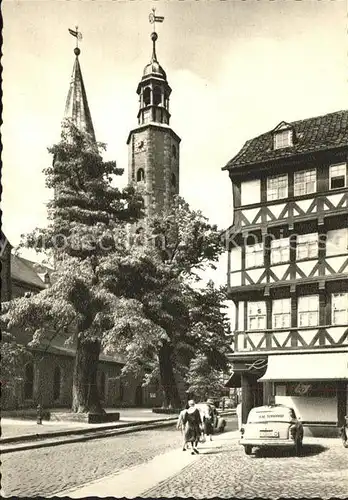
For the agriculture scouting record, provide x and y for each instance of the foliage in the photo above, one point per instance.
(204, 381)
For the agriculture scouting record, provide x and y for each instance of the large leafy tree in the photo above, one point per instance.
(87, 220)
(159, 276)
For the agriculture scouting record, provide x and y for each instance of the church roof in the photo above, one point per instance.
(310, 136)
(76, 107)
(25, 271)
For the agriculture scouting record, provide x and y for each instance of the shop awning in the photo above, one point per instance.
(234, 380)
(317, 366)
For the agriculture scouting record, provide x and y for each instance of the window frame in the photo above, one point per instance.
(309, 311)
(280, 247)
(277, 189)
(278, 139)
(283, 313)
(258, 316)
(299, 183)
(307, 245)
(255, 254)
(343, 164)
(345, 310)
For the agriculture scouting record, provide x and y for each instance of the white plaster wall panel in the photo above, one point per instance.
(251, 192)
(311, 409)
(255, 274)
(335, 199)
(336, 333)
(236, 278)
(241, 316)
(304, 204)
(280, 270)
(307, 266)
(308, 335)
(336, 263)
(256, 337)
(281, 338)
(276, 210)
(236, 259)
(250, 214)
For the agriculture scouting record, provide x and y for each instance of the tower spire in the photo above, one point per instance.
(76, 107)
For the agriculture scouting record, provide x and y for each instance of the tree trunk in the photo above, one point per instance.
(85, 390)
(168, 382)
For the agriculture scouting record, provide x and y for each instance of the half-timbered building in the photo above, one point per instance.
(288, 269)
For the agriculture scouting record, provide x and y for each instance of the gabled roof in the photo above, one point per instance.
(3, 243)
(25, 271)
(311, 135)
(76, 107)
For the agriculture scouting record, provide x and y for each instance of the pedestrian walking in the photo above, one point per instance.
(192, 423)
(210, 419)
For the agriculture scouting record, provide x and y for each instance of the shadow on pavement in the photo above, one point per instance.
(308, 450)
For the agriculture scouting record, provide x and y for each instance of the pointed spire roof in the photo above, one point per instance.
(76, 107)
(154, 68)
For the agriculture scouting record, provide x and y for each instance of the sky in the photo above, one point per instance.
(236, 68)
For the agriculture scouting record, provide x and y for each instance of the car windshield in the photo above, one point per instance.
(276, 414)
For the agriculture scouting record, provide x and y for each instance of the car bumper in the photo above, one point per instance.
(266, 442)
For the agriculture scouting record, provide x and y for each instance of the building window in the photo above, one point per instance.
(305, 182)
(121, 393)
(307, 246)
(174, 151)
(147, 96)
(338, 176)
(257, 315)
(280, 250)
(56, 383)
(254, 255)
(157, 96)
(282, 139)
(340, 308)
(336, 242)
(140, 175)
(277, 187)
(281, 313)
(29, 381)
(173, 180)
(308, 310)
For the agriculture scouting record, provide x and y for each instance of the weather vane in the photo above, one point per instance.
(153, 19)
(76, 33)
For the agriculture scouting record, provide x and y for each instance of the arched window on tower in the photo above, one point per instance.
(157, 96)
(173, 181)
(140, 175)
(29, 381)
(173, 151)
(56, 383)
(147, 96)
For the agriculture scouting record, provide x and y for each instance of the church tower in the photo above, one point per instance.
(153, 147)
(76, 107)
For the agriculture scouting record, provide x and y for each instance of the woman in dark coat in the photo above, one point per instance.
(192, 426)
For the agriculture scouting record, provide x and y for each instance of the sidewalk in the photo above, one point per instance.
(24, 429)
(135, 481)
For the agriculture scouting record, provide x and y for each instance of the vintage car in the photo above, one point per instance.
(271, 426)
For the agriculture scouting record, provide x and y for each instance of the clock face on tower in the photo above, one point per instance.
(140, 145)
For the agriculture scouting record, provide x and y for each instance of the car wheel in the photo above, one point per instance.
(247, 450)
(298, 446)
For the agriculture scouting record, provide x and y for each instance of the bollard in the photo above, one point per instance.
(39, 414)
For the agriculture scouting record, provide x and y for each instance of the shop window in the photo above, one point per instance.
(140, 175)
(29, 381)
(308, 310)
(281, 309)
(340, 308)
(254, 255)
(307, 246)
(305, 182)
(280, 250)
(56, 383)
(277, 187)
(338, 176)
(256, 315)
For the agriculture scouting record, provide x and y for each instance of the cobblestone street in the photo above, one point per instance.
(151, 464)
